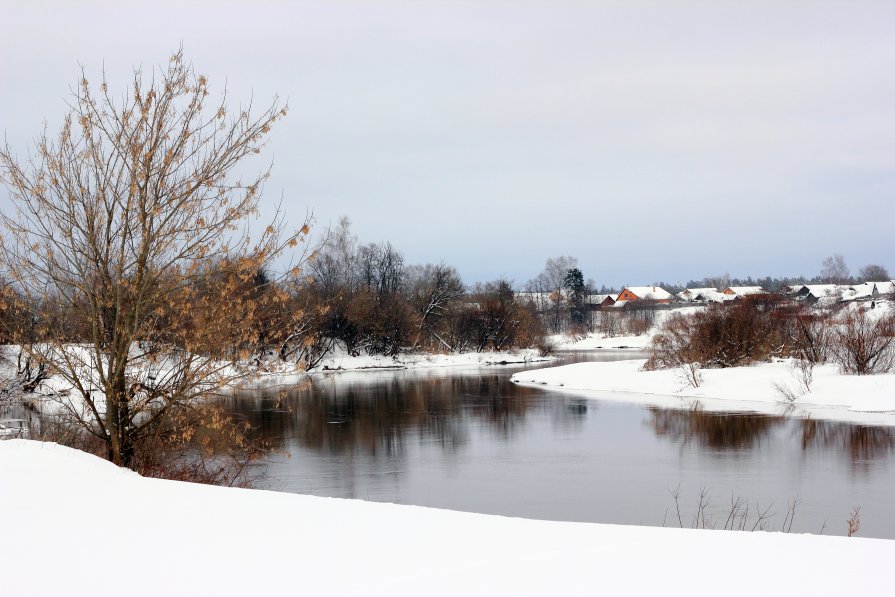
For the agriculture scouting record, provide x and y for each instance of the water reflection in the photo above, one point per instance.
(717, 431)
(375, 416)
(862, 444)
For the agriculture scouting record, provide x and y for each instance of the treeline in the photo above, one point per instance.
(365, 299)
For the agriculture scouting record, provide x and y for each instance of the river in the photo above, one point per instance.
(469, 439)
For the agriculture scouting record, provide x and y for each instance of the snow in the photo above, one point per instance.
(76, 524)
(820, 290)
(56, 396)
(342, 361)
(868, 290)
(866, 399)
(597, 341)
(744, 290)
(701, 294)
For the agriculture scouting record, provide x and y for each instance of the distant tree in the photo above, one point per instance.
(496, 319)
(577, 296)
(834, 270)
(720, 282)
(432, 291)
(334, 266)
(381, 268)
(548, 287)
(873, 273)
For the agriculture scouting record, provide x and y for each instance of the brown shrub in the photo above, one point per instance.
(863, 344)
(748, 331)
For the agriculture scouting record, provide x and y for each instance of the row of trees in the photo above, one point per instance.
(364, 297)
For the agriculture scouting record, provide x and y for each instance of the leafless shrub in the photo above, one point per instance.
(610, 323)
(790, 514)
(803, 372)
(786, 393)
(545, 346)
(676, 495)
(854, 521)
(673, 348)
(811, 337)
(863, 344)
(691, 374)
(739, 516)
(721, 336)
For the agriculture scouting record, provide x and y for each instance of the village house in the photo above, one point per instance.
(812, 293)
(700, 295)
(598, 301)
(868, 291)
(735, 291)
(644, 293)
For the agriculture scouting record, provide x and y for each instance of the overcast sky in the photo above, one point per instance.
(653, 141)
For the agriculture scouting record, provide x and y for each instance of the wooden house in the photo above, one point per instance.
(644, 293)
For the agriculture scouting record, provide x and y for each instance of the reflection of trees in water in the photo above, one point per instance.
(712, 430)
(861, 443)
(341, 416)
(569, 414)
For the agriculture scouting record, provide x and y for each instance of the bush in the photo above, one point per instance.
(748, 331)
(863, 344)
(811, 337)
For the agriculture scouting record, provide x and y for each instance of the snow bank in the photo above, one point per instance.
(344, 362)
(74, 524)
(868, 399)
(598, 342)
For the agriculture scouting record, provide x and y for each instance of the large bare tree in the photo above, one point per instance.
(135, 224)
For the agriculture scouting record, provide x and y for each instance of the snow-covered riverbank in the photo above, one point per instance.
(74, 524)
(598, 342)
(54, 393)
(345, 362)
(868, 399)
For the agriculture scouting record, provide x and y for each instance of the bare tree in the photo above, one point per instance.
(834, 270)
(432, 289)
(334, 265)
(548, 287)
(117, 217)
(873, 273)
(381, 268)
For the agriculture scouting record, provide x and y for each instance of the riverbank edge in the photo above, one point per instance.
(866, 399)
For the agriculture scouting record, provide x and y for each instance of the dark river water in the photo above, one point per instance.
(469, 439)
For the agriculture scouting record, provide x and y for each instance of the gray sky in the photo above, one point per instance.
(666, 140)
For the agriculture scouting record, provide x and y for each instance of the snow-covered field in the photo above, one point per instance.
(867, 399)
(76, 525)
(596, 341)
